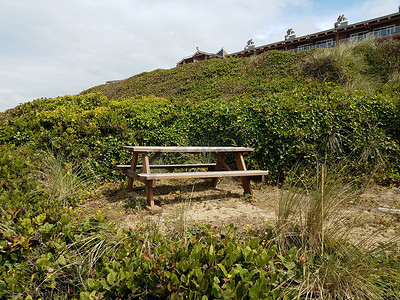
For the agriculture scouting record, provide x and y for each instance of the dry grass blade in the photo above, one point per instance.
(310, 217)
(64, 181)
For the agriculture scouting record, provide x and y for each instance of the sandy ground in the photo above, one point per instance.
(185, 202)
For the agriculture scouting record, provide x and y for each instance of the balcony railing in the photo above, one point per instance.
(385, 32)
(326, 45)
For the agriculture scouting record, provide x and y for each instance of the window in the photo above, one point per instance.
(358, 37)
(325, 44)
(385, 31)
(303, 47)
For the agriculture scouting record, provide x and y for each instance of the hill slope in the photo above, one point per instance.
(365, 66)
(210, 79)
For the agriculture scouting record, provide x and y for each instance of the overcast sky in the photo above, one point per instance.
(51, 48)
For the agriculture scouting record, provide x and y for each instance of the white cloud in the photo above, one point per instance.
(51, 48)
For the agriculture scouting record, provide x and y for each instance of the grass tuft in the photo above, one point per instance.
(63, 181)
(310, 216)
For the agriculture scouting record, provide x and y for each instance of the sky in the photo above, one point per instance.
(51, 48)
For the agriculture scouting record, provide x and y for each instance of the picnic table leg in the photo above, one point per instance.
(149, 194)
(146, 163)
(133, 168)
(242, 166)
(149, 184)
(218, 167)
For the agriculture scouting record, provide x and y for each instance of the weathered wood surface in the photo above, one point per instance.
(390, 210)
(141, 149)
(134, 160)
(216, 174)
(220, 163)
(143, 172)
(245, 180)
(183, 166)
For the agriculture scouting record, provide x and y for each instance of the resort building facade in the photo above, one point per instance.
(383, 27)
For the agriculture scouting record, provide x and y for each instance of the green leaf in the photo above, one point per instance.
(91, 283)
(211, 255)
(271, 265)
(84, 296)
(254, 243)
(211, 250)
(184, 279)
(255, 292)
(241, 290)
(289, 265)
(61, 260)
(41, 264)
(223, 269)
(262, 259)
(105, 285)
(111, 277)
(174, 279)
(292, 251)
(272, 251)
(182, 265)
(40, 219)
(216, 290)
(53, 284)
(252, 273)
(246, 252)
(276, 294)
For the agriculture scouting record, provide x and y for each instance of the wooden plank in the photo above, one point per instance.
(245, 180)
(140, 167)
(122, 167)
(142, 149)
(133, 169)
(154, 157)
(149, 193)
(215, 174)
(176, 166)
(132, 174)
(146, 163)
(220, 162)
(389, 210)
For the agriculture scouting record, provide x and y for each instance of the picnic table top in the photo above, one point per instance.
(190, 149)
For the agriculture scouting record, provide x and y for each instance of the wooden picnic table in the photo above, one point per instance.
(214, 170)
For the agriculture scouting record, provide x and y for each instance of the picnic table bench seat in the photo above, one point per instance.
(215, 174)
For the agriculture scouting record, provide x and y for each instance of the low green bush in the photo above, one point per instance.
(309, 124)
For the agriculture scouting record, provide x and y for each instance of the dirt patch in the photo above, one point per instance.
(185, 202)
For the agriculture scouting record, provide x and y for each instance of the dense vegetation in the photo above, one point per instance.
(338, 105)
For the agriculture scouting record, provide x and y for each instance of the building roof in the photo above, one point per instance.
(222, 52)
(199, 53)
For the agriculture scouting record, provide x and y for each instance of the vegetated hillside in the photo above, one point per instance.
(332, 106)
(306, 108)
(212, 79)
(366, 66)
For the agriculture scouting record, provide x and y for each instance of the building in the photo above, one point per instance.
(382, 27)
(200, 55)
